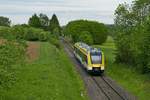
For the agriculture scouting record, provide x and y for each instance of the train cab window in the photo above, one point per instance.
(96, 58)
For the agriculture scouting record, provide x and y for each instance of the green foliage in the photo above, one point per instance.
(111, 30)
(39, 21)
(24, 32)
(145, 48)
(54, 25)
(32, 34)
(7, 79)
(97, 30)
(4, 21)
(86, 37)
(5, 32)
(55, 41)
(18, 31)
(145, 55)
(132, 39)
(48, 78)
(44, 20)
(34, 21)
(56, 31)
(12, 53)
(125, 74)
(43, 36)
(124, 51)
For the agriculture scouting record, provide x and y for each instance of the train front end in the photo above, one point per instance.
(96, 61)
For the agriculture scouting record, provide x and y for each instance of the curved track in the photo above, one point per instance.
(98, 87)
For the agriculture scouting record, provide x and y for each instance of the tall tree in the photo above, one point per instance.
(44, 20)
(54, 24)
(34, 21)
(133, 38)
(4, 21)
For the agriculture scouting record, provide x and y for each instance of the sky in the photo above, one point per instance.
(19, 11)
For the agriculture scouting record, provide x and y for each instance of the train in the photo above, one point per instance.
(92, 59)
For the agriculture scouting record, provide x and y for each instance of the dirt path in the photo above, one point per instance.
(99, 88)
(32, 51)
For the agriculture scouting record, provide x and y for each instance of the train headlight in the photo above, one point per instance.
(102, 68)
(89, 68)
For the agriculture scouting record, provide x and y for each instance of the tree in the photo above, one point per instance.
(34, 21)
(86, 37)
(145, 48)
(44, 20)
(97, 30)
(4, 21)
(54, 24)
(123, 36)
(132, 40)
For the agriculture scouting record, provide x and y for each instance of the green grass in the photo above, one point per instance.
(51, 77)
(126, 76)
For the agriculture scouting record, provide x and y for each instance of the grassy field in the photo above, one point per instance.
(51, 77)
(126, 76)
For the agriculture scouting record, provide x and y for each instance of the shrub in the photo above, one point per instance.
(44, 36)
(12, 53)
(18, 31)
(6, 78)
(124, 51)
(5, 32)
(32, 34)
(24, 32)
(145, 55)
(55, 41)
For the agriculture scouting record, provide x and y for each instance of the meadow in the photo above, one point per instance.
(125, 75)
(51, 76)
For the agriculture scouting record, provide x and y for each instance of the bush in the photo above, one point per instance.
(124, 51)
(43, 36)
(145, 55)
(12, 53)
(24, 32)
(6, 78)
(97, 30)
(86, 37)
(55, 41)
(5, 32)
(32, 34)
(18, 31)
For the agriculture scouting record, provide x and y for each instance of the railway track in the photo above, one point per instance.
(98, 87)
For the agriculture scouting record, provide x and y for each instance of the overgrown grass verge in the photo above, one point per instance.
(128, 77)
(51, 77)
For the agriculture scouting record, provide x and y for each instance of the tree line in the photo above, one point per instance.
(41, 21)
(132, 27)
(90, 32)
(39, 28)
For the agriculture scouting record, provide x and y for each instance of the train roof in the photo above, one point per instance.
(87, 48)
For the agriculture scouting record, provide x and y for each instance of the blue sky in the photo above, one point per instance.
(19, 11)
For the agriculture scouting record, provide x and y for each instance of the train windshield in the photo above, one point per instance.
(96, 58)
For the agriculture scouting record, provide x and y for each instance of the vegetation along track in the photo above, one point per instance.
(98, 87)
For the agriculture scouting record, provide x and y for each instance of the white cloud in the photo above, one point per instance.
(100, 10)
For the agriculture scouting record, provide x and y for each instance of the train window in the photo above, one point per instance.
(83, 56)
(96, 58)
